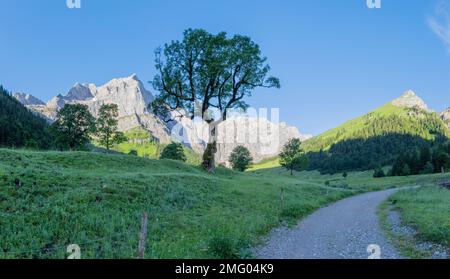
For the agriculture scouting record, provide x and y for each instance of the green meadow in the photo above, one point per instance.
(49, 200)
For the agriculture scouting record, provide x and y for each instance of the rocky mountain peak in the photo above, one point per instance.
(409, 99)
(27, 99)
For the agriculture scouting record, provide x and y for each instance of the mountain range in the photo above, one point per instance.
(133, 99)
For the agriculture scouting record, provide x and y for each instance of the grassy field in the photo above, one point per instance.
(425, 209)
(355, 181)
(49, 200)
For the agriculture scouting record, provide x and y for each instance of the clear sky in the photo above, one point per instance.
(336, 59)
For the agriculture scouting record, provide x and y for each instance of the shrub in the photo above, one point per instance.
(378, 173)
(428, 169)
(240, 158)
(173, 151)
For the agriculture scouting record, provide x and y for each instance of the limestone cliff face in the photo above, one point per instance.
(128, 93)
(263, 138)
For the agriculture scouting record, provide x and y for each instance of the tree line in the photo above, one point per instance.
(75, 127)
(427, 160)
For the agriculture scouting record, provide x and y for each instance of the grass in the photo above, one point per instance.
(266, 164)
(356, 181)
(49, 200)
(427, 210)
(139, 140)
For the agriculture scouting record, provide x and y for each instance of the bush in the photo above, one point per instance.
(378, 173)
(173, 151)
(240, 158)
(428, 168)
(223, 247)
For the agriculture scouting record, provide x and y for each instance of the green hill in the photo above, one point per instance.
(19, 127)
(375, 139)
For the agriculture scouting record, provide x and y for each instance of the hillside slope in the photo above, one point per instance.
(377, 138)
(19, 127)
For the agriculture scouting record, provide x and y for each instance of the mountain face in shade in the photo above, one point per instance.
(27, 99)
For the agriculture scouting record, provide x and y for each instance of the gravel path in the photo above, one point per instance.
(343, 230)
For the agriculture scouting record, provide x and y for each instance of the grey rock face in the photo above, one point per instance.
(261, 137)
(27, 99)
(128, 93)
(409, 99)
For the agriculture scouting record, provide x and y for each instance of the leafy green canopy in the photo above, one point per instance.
(206, 71)
(19, 127)
(240, 158)
(292, 157)
(73, 126)
(107, 126)
(174, 151)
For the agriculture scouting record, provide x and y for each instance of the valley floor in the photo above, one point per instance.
(49, 200)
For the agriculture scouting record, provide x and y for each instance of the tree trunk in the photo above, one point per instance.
(210, 151)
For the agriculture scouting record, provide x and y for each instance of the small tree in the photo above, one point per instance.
(73, 126)
(173, 151)
(406, 170)
(107, 126)
(292, 158)
(428, 169)
(378, 173)
(240, 158)
(345, 175)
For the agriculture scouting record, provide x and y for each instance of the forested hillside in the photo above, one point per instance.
(375, 139)
(19, 127)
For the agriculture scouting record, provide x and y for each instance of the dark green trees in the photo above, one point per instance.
(205, 72)
(73, 127)
(429, 160)
(107, 130)
(20, 127)
(292, 157)
(173, 151)
(378, 173)
(240, 158)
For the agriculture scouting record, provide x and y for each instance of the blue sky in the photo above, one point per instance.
(336, 59)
